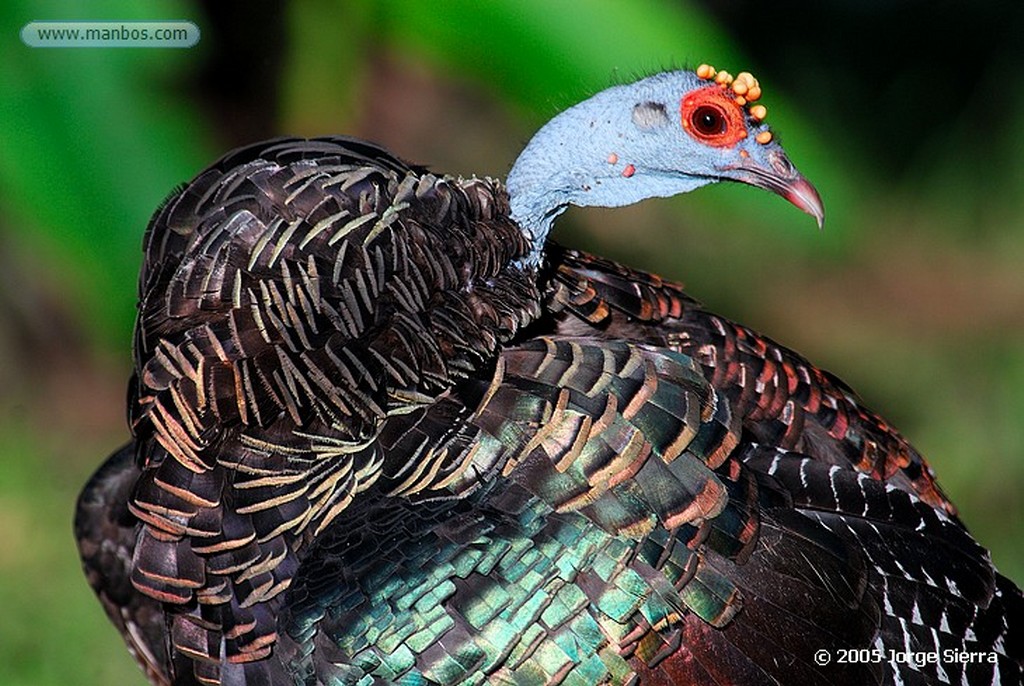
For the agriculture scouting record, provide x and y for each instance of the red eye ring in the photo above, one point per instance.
(712, 117)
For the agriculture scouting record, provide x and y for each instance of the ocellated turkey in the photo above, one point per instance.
(385, 432)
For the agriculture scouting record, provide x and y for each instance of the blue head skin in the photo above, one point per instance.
(663, 135)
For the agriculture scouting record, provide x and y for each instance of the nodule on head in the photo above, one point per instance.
(657, 137)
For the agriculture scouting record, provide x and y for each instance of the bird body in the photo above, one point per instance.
(384, 431)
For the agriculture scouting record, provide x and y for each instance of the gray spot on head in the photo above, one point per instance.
(649, 115)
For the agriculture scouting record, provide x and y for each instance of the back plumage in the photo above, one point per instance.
(385, 432)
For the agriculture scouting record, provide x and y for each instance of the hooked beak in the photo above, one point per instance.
(782, 178)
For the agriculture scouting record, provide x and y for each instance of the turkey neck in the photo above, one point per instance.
(594, 154)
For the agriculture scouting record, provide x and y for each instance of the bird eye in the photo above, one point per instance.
(708, 121)
(713, 117)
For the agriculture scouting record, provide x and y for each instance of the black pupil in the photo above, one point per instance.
(708, 121)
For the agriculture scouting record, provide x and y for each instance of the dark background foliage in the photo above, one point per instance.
(906, 114)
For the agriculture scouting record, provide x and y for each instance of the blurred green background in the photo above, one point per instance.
(906, 115)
